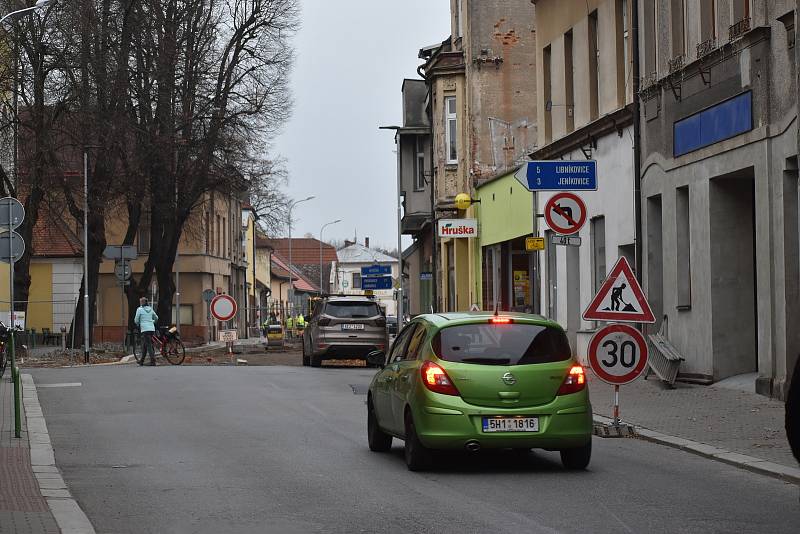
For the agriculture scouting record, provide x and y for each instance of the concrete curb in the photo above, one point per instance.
(750, 463)
(69, 516)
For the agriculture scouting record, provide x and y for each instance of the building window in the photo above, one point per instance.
(683, 256)
(626, 53)
(569, 74)
(650, 44)
(741, 10)
(143, 237)
(594, 56)
(451, 129)
(187, 315)
(217, 244)
(599, 251)
(708, 20)
(419, 164)
(356, 280)
(677, 11)
(547, 83)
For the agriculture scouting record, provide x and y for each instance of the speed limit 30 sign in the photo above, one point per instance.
(618, 354)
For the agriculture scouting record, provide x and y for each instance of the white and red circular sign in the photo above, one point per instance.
(223, 307)
(618, 354)
(565, 213)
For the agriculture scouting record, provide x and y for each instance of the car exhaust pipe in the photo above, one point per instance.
(473, 446)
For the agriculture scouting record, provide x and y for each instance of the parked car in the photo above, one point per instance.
(480, 381)
(344, 327)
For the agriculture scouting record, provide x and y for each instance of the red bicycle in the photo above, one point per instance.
(166, 342)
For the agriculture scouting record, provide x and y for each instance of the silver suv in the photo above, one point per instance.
(344, 327)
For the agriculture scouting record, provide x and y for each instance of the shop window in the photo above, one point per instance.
(356, 280)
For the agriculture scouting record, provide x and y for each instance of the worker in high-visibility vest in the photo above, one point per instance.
(290, 326)
(301, 322)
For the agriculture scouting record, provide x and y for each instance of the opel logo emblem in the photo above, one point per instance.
(509, 379)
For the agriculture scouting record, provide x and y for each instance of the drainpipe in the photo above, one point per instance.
(637, 142)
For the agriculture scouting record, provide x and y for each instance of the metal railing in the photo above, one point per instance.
(706, 47)
(739, 29)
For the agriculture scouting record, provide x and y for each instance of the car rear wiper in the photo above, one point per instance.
(488, 361)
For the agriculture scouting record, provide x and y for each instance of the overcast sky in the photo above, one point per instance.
(352, 57)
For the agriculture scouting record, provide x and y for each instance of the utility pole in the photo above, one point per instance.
(85, 257)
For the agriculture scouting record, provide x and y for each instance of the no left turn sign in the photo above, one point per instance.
(618, 354)
(565, 213)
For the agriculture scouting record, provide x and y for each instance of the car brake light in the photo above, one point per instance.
(500, 320)
(574, 382)
(324, 321)
(436, 379)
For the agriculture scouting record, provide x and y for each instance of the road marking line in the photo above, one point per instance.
(61, 385)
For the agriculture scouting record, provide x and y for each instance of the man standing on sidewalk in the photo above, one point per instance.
(146, 320)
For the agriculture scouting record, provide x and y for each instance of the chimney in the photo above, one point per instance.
(366, 242)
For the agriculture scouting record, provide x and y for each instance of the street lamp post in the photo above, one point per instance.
(320, 251)
(85, 257)
(291, 268)
(40, 4)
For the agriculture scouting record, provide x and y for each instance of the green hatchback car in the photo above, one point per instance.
(471, 381)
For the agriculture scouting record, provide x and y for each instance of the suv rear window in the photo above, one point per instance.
(352, 310)
(501, 344)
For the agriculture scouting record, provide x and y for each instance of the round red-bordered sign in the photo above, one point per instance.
(618, 354)
(223, 307)
(565, 213)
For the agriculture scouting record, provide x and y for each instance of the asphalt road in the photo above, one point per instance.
(283, 450)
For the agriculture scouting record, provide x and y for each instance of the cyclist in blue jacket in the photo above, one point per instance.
(146, 320)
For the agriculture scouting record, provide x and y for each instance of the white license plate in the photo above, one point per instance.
(348, 326)
(510, 424)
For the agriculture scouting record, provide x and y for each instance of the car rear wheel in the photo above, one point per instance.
(316, 361)
(418, 457)
(379, 441)
(305, 356)
(577, 458)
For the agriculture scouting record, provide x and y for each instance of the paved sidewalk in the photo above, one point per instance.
(22, 507)
(737, 421)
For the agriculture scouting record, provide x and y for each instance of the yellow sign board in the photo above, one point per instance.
(368, 293)
(533, 244)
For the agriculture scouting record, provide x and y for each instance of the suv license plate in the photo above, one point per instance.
(348, 326)
(510, 424)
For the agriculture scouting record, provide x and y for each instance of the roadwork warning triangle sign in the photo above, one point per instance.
(620, 298)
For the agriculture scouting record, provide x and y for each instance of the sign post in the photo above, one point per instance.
(12, 247)
(223, 308)
(618, 355)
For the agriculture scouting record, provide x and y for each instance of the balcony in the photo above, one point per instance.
(739, 29)
(706, 47)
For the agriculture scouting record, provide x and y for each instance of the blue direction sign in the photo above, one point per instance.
(557, 175)
(376, 270)
(376, 282)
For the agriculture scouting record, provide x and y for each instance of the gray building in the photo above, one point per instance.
(414, 172)
(719, 174)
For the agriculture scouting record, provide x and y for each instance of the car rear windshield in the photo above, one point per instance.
(352, 310)
(501, 344)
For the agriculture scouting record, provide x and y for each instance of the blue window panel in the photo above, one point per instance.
(717, 123)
